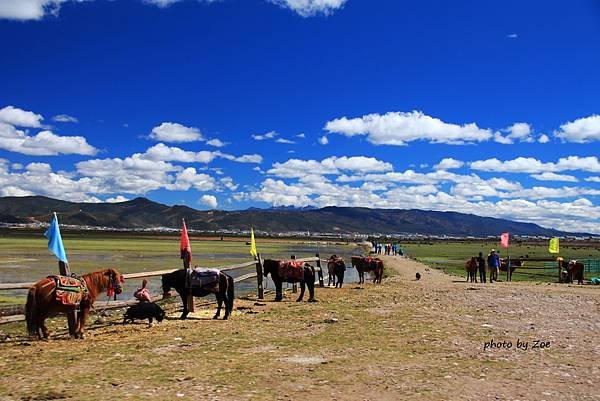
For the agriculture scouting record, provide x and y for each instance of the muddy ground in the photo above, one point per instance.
(404, 339)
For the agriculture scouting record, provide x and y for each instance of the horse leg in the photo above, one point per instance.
(85, 311)
(185, 306)
(219, 303)
(311, 289)
(41, 326)
(278, 294)
(302, 288)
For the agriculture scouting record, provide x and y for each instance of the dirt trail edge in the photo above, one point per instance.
(438, 338)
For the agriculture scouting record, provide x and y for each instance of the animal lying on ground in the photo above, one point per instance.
(144, 310)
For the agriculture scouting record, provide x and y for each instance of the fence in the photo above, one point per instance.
(115, 305)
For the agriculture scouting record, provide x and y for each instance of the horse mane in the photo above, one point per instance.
(98, 281)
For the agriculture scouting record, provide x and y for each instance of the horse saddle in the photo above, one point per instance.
(203, 278)
(69, 290)
(338, 262)
(291, 270)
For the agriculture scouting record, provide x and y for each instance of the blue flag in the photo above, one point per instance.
(55, 243)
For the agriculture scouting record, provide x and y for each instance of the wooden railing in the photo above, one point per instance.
(119, 304)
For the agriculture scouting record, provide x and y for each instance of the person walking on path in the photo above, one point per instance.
(481, 266)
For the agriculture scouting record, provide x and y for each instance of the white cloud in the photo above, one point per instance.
(309, 8)
(189, 178)
(65, 118)
(37, 9)
(448, 163)
(262, 137)
(228, 183)
(532, 165)
(543, 138)
(593, 179)
(399, 128)
(512, 36)
(209, 200)
(216, 143)
(518, 132)
(301, 136)
(547, 176)
(581, 130)
(284, 140)
(117, 199)
(19, 117)
(323, 140)
(175, 132)
(44, 143)
(163, 152)
(331, 165)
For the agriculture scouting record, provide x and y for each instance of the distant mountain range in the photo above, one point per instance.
(144, 213)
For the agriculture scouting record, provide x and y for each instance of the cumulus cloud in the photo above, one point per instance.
(310, 8)
(209, 200)
(162, 152)
(175, 132)
(543, 138)
(37, 9)
(582, 130)
(448, 163)
(323, 140)
(532, 165)
(399, 128)
(518, 132)
(284, 140)
(65, 118)
(44, 143)
(331, 165)
(21, 118)
(547, 176)
(217, 143)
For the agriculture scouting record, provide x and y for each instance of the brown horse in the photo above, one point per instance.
(362, 265)
(283, 271)
(510, 265)
(471, 268)
(574, 269)
(42, 300)
(336, 268)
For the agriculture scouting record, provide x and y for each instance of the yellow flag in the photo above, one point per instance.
(553, 246)
(253, 251)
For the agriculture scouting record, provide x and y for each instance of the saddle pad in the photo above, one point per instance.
(203, 277)
(291, 270)
(66, 283)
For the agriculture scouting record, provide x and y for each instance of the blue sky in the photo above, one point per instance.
(478, 107)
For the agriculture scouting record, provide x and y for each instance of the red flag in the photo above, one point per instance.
(504, 240)
(185, 243)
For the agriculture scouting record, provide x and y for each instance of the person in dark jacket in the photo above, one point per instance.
(481, 266)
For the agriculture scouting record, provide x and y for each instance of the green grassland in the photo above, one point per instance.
(450, 256)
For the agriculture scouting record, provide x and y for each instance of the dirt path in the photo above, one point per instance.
(405, 339)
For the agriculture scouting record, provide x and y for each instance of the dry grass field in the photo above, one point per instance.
(404, 339)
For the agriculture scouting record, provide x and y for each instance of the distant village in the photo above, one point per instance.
(288, 234)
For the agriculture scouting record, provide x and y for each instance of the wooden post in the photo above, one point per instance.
(259, 277)
(320, 272)
(63, 270)
(294, 286)
(190, 297)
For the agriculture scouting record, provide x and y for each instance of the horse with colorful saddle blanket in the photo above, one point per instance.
(291, 271)
(203, 278)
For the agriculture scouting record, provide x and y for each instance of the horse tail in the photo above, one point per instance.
(31, 312)
(230, 293)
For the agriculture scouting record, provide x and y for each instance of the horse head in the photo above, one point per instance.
(115, 279)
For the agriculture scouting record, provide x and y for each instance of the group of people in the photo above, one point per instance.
(493, 263)
(388, 249)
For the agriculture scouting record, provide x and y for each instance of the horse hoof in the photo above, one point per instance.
(182, 317)
(215, 317)
(312, 300)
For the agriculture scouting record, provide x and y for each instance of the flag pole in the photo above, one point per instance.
(63, 270)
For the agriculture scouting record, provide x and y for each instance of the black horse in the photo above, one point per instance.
(308, 279)
(336, 269)
(223, 291)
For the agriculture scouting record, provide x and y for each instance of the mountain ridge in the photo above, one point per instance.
(145, 213)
